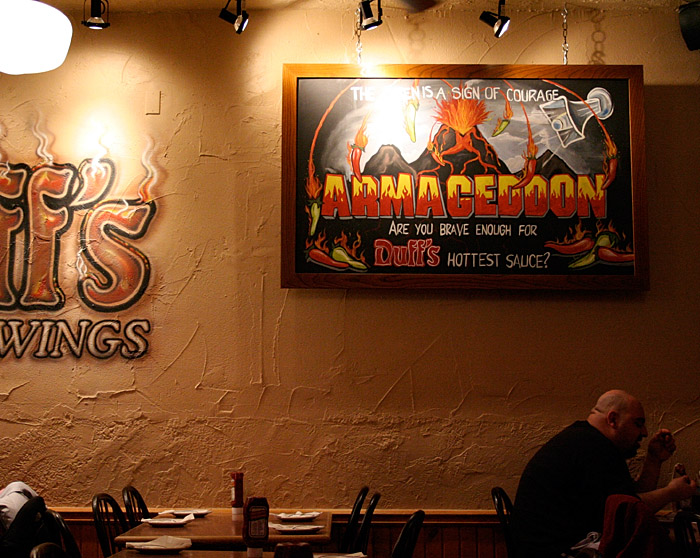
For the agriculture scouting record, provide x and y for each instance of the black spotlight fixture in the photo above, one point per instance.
(499, 22)
(689, 18)
(99, 14)
(367, 18)
(239, 20)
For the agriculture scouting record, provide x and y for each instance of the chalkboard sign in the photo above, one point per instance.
(463, 177)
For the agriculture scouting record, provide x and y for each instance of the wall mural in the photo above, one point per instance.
(39, 204)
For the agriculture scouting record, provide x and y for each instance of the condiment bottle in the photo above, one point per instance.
(256, 513)
(236, 494)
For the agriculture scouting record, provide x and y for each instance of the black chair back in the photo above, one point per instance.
(48, 550)
(135, 506)
(61, 534)
(684, 527)
(351, 528)
(109, 522)
(362, 539)
(504, 511)
(406, 543)
(29, 528)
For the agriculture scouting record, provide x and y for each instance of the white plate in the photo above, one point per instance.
(196, 512)
(298, 516)
(294, 529)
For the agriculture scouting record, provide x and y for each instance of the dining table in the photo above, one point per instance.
(194, 553)
(130, 553)
(219, 530)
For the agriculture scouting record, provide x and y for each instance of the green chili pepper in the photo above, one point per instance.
(339, 254)
(315, 214)
(604, 239)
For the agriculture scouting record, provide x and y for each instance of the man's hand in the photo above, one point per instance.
(682, 488)
(661, 445)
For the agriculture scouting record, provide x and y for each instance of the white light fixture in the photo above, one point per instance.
(34, 37)
(500, 23)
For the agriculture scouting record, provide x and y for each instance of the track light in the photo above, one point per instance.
(98, 9)
(239, 20)
(689, 18)
(41, 50)
(500, 23)
(367, 19)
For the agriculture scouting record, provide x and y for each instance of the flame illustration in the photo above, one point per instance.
(462, 115)
(80, 264)
(319, 242)
(44, 140)
(357, 147)
(95, 168)
(151, 178)
(530, 154)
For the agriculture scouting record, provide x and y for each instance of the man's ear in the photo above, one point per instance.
(612, 418)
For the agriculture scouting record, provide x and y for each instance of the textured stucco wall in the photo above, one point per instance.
(431, 397)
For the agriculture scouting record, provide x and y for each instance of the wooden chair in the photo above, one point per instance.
(684, 528)
(62, 534)
(109, 522)
(362, 540)
(48, 550)
(406, 543)
(504, 511)
(135, 506)
(351, 528)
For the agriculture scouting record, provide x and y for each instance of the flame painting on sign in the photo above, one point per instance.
(38, 206)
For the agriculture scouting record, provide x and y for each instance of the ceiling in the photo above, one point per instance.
(408, 5)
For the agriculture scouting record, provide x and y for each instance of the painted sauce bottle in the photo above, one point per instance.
(256, 529)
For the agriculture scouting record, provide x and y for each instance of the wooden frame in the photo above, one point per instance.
(446, 176)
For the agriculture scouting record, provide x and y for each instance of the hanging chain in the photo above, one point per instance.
(565, 30)
(358, 38)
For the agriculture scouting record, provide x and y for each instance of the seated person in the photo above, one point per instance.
(12, 498)
(22, 525)
(563, 489)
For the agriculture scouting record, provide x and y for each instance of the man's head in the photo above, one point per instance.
(620, 417)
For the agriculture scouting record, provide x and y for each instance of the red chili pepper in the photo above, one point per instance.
(530, 166)
(610, 172)
(613, 256)
(355, 156)
(576, 247)
(320, 257)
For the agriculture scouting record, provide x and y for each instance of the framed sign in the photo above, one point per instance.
(452, 176)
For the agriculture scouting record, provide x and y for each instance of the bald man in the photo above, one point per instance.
(562, 491)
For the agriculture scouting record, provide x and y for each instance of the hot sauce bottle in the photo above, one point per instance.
(236, 494)
(256, 529)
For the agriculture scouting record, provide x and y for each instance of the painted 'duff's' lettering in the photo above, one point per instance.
(38, 205)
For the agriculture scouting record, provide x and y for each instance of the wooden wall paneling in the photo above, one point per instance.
(468, 544)
(451, 543)
(434, 544)
(485, 542)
